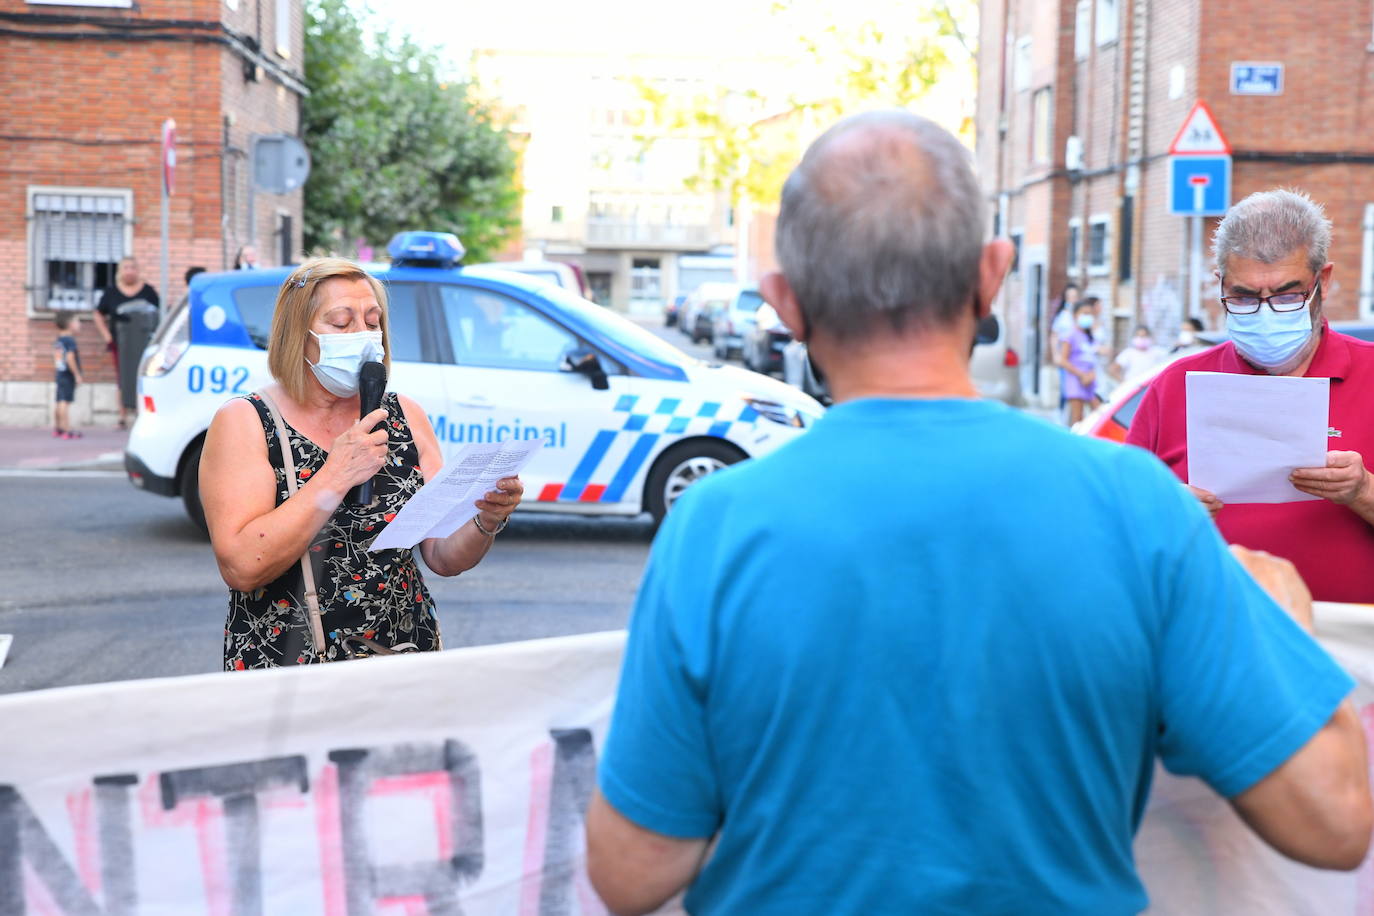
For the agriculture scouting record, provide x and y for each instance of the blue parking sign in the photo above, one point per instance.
(1199, 185)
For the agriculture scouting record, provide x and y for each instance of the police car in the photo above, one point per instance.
(628, 421)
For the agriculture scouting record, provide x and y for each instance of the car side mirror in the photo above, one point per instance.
(988, 331)
(584, 360)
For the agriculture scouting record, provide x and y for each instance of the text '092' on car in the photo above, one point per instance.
(628, 420)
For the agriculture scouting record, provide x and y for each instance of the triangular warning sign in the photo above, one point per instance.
(1200, 135)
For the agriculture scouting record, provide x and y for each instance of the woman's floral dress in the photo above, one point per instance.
(380, 595)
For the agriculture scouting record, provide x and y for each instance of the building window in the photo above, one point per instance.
(644, 279)
(1098, 239)
(1021, 64)
(283, 28)
(1074, 259)
(557, 214)
(1107, 24)
(1015, 237)
(1082, 22)
(1042, 128)
(76, 238)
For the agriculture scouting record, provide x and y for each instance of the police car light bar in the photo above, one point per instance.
(434, 249)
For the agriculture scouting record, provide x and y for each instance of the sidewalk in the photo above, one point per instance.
(23, 448)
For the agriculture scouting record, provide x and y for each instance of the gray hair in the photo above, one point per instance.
(1268, 226)
(882, 219)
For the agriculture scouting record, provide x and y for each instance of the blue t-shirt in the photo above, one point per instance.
(922, 659)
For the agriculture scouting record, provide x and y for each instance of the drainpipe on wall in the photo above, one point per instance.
(1367, 265)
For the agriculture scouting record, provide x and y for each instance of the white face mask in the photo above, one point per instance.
(341, 357)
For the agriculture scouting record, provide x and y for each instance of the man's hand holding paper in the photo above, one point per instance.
(1343, 480)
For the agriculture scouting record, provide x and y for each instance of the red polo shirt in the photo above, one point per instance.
(1332, 547)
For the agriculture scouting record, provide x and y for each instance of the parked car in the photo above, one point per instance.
(490, 354)
(698, 319)
(799, 372)
(734, 321)
(765, 342)
(995, 367)
(558, 273)
(671, 310)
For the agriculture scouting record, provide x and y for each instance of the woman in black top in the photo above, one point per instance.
(127, 287)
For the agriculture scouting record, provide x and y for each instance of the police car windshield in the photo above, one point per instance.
(621, 329)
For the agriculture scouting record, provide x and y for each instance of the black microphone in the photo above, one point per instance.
(371, 386)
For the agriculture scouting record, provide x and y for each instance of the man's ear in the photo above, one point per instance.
(777, 292)
(992, 270)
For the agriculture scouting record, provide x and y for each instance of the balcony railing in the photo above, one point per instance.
(612, 233)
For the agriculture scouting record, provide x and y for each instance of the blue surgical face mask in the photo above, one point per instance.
(1270, 339)
(1085, 321)
(341, 358)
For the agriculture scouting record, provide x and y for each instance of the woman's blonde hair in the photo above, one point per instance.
(297, 303)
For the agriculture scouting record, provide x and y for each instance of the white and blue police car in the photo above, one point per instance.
(628, 421)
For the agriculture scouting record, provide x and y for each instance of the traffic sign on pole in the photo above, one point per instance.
(169, 153)
(1199, 185)
(1200, 135)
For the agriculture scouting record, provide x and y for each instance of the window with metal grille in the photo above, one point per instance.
(1098, 242)
(77, 237)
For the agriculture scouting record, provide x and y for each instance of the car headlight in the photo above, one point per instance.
(167, 347)
(778, 413)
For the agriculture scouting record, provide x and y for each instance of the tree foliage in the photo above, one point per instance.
(898, 58)
(395, 145)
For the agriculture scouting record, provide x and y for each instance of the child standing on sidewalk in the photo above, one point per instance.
(67, 362)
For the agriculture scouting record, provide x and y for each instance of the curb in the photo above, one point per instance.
(109, 461)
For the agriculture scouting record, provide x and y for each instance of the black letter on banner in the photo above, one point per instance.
(115, 821)
(237, 784)
(574, 774)
(21, 833)
(437, 881)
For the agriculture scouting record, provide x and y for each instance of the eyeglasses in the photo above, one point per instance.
(1279, 302)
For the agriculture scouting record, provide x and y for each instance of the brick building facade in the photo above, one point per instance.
(90, 84)
(1078, 103)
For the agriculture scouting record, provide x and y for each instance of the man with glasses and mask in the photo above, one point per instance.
(1271, 261)
(836, 700)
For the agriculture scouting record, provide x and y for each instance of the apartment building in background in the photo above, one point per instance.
(91, 83)
(607, 177)
(1079, 102)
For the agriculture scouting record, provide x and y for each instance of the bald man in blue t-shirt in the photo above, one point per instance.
(877, 671)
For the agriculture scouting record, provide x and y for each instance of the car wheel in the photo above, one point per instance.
(189, 484)
(681, 466)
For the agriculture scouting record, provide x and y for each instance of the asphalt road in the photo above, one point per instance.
(103, 582)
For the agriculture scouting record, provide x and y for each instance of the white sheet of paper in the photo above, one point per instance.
(1247, 433)
(448, 501)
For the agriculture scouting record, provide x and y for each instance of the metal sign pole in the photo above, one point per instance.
(1195, 291)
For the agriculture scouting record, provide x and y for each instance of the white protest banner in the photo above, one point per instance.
(444, 783)
(1196, 856)
(449, 782)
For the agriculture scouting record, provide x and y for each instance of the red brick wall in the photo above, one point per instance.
(1327, 107)
(90, 116)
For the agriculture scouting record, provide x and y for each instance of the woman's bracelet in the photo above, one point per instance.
(477, 520)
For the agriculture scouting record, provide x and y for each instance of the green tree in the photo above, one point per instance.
(395, 144)
(901, 57)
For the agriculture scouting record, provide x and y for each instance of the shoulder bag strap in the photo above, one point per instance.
(312, 597)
